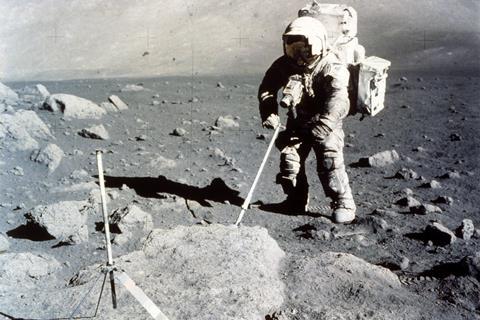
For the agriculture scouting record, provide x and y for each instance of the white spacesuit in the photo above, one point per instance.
(316, 122)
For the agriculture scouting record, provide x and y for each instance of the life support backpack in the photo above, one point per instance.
(368, 75)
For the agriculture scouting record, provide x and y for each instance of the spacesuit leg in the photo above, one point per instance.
(334, 178)
(292, 176)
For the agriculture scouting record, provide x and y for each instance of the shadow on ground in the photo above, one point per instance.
(149, 187)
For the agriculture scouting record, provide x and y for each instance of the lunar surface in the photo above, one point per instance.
(179, 158)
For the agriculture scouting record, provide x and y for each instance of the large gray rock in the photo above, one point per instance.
(19, 131)
(381, 159)
(95, 132)
(342, 286)
(7, 95)
(25, 269)
(65, 221)
(131, 221)
(51, 156)
(73, 107)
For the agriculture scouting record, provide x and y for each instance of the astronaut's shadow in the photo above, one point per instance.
(151, 187)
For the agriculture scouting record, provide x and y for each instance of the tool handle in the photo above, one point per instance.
(104, 207)
(257, 177)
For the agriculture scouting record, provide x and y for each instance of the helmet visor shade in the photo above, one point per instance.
(297, 48)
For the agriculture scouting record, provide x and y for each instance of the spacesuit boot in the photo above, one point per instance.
(336, 186)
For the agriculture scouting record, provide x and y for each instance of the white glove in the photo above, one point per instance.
(272, 122)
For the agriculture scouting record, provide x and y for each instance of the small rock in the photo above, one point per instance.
(124, 187)
(376, 223)
(220, 85)
(179, 132)
(42, 90)
(439, 234)
(404, 79)
(51, 156)
(141, 138)
(262, 136)
(163, 163)
(4, 243)
(118, 102)
(407, 191)
(132, 88)
(408, 201)
(455, 137)
(424, 209)
(443, 200)
(95, 132)
(18, 171)
(466, 229)
(450, 175)
(471, 265)
(226, 122)
(419, 149)
(323, 235)
(380, 159)
(404, 264)
(434, 184)
(406, 174)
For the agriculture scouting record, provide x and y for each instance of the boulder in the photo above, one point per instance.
(19, 131)
(73, 107)
(7, 95)
(65, 221)
(26, 269)
(118, 102)
(381, 159)
(51, 156)
(205, 272)
(95, 132)
(337, 285)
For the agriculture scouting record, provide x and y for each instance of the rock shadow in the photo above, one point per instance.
(30, 231)
(149, 187)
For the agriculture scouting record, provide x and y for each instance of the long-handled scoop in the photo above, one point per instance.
(257, 177)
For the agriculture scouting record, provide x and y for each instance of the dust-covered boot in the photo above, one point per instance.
(344, 211)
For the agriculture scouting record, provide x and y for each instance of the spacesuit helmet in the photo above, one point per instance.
(304, 40)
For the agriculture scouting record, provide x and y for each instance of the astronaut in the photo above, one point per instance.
(316, 122)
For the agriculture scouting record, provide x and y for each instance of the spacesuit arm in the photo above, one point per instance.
(337, 104)
(267, 92)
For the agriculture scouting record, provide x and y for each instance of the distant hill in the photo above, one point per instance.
(96, 38)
